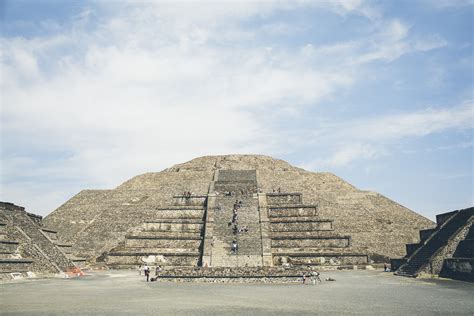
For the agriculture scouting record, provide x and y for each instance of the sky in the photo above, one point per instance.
(379, 93)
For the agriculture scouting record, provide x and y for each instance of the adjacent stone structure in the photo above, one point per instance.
(27, 246)
(447, 250)
(180, 218)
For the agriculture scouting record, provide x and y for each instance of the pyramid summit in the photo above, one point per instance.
(184, 216)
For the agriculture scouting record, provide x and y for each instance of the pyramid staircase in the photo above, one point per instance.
(437, 244)
(193, 237)
(235, 186)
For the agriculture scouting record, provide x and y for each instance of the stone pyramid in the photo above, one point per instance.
(182, 215)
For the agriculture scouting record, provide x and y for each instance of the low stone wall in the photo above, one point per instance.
(459, 269)
(315, 259)
(163, 260)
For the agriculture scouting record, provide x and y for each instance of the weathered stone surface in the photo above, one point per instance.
(27, 246)
(445, 250)
(98, 220)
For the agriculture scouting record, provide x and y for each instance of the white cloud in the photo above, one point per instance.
(371, 138)
(152, 84)
(430, 42)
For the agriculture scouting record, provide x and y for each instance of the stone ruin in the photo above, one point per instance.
(179, 219)
(28, 248)
(446, 250)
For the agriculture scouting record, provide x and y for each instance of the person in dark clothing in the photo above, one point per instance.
(234, 246)
(147, 273)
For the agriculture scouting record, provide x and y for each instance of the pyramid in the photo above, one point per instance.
(182, 216)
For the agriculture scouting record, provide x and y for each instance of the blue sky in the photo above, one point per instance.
(378, 92)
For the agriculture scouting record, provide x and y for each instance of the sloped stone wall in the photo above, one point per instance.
(33, 243)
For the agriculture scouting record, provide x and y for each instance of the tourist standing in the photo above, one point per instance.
(146, 269)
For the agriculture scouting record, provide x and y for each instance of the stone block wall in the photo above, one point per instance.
(299, 236)
(442, 250)
(31, 247)
(173, 237)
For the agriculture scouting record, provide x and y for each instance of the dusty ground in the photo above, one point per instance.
(125, 293)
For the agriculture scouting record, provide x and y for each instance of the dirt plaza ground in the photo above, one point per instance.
(126, 293)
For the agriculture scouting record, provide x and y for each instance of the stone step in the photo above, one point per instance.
(292, 211)
(465, 249)
(175, 214)
(48, 230)
(137, 251)
(186, 200)
(163, 237)
(237, 260)
(303, 234)
(322, 258)
(303, 226)
(314, 242)
(314, 250)
(163, 226)
(8, 245)
(411, 248)
(299, 219)
(66, 248)
(196, 234)
(426, 233)
(165, 243)
(173, 220)
(166, 259)
(9, 265)
(165, 230)
(285, 198)
(9, 255)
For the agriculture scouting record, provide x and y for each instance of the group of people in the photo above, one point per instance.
(146, 270)
(235, 227)
(187, 194)
(312, 277)
(237, 205)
